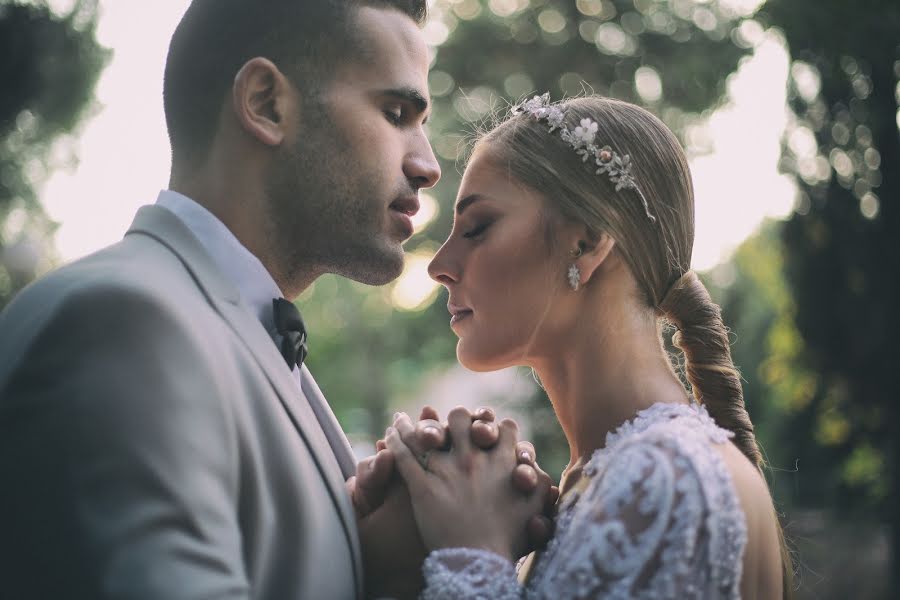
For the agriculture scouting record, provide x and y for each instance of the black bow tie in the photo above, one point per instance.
(289, 325)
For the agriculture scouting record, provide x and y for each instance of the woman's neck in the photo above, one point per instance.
(603, 377)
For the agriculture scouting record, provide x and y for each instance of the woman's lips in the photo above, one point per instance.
(455, 319)
(458, 313)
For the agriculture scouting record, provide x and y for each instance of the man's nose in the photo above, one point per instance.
(421, 166)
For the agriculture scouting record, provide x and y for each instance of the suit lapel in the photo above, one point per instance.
(272, 363)
(166, 228)
(336, 438)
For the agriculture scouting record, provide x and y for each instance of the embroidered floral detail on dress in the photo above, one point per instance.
(659, 518)
(465, 573)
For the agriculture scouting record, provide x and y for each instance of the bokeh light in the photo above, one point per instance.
(648, 84)
(428, 211)
(414, 289)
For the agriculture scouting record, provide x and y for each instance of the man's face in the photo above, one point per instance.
(341, 196)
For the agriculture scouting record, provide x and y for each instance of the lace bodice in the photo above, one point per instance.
(655, 516)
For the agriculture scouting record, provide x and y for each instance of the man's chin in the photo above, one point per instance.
(379, 268)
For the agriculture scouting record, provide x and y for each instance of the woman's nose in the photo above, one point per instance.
(441, 267)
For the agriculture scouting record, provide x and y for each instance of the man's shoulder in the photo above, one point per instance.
(136, 271)
(137, 263)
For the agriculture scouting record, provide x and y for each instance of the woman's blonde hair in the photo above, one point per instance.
(658, 252)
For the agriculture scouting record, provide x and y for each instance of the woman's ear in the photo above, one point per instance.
(591, 255)
(264, 101)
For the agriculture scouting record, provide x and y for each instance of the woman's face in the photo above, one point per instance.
(498, 268)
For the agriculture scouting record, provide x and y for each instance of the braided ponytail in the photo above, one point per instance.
(703, 338)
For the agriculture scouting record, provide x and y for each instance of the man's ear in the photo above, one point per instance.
(594, 254)
(263, 101)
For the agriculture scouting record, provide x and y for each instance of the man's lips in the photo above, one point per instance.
(409, 206)
(404, 210)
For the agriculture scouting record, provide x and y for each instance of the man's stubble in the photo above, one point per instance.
(322, 215)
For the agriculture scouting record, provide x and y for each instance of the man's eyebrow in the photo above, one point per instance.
(466, 202)
(411, 95)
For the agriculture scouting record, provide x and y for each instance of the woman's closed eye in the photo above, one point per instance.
(477, 230)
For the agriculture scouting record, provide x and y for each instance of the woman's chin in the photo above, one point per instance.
(480, 362)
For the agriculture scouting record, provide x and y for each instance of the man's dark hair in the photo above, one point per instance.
(215, 38)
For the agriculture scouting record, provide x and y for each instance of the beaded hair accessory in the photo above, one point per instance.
(583, 140)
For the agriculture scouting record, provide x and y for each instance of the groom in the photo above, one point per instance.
(159, 434)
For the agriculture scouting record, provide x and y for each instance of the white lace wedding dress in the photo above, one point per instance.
(655, 515)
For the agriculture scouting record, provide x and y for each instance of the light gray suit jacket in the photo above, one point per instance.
(153, 443)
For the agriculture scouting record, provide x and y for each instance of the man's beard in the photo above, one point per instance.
(322, 217)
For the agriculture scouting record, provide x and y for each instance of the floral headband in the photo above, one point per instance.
(582, 140)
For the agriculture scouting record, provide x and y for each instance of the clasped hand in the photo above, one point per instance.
(482, 489)
(468, 496)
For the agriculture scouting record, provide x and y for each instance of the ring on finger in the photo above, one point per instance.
(423, 459)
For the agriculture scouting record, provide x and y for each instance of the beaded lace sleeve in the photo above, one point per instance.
(657, 518)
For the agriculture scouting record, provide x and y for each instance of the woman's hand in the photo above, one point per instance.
(465, 497)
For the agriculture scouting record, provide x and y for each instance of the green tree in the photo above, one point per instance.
(795, 428)
(49, 65)
(842, 258)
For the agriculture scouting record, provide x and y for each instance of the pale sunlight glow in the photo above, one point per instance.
(648, 84)
(807, 79)
(124, 151)
(741, 7)
(428, 212)
(738, 184)
(507, 8)
(414, 289)
(435, 32)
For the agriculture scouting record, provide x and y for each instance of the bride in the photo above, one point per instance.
(571, 246)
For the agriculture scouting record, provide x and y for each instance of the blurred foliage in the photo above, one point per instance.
(49, 65)
(841, 253)
(841, 250)
(780, 388)
(369, 357)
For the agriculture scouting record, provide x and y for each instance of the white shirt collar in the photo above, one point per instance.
(240, 266)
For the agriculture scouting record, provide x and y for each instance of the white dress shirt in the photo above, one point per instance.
(257, 290)
(240, 266)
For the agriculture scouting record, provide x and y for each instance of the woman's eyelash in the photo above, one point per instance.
(477, 230)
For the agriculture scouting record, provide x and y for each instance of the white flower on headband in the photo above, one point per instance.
(555, 118)
(538, 104)
(581, 139)
(586, 131)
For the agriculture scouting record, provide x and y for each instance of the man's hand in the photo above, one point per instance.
(369, 487)
(392, 549)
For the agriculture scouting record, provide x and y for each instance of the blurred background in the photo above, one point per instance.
(788, 110)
